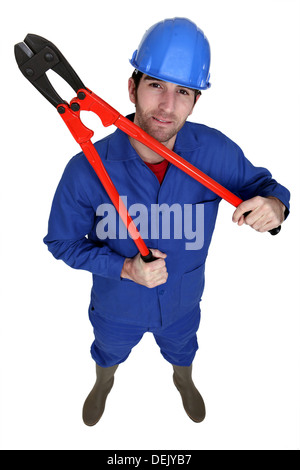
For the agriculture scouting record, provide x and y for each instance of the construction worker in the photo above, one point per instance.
(175, 214)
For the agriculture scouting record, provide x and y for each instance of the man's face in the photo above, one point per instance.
(161, 107)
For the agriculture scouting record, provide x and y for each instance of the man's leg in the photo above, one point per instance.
(178, 345)
(94, 405)
(191, 399)
(112, 345)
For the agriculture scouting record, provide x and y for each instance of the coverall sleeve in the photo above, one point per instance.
(72, 218)
(248, 181)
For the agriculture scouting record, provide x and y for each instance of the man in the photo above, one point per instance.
(175, 214)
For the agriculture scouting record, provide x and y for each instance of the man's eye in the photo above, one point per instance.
(183, 92)
(155, 85)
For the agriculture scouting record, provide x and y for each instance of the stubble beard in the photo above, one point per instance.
(148, 124)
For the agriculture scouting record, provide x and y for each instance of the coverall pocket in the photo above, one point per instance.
(192, 285)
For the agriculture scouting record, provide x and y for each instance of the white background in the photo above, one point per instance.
(247, 367)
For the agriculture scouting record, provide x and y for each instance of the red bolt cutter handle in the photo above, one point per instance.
(137, 133)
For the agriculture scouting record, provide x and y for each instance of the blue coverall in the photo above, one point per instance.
(121, 311)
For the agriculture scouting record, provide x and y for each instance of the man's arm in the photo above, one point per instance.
(71, 219)
(266, 200)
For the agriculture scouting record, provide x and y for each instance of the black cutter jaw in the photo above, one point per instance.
(35, 56)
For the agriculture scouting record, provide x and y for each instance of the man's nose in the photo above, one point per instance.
(167, 102)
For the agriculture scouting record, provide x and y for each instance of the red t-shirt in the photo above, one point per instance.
(159, 169)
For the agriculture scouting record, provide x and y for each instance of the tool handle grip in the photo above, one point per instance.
(274, 231)
(148, 258)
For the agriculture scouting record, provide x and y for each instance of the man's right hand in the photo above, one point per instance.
(147, 274)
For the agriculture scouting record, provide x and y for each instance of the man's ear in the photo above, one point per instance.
(132, 90)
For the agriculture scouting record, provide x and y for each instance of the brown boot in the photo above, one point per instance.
(192, 401)
(94, 405)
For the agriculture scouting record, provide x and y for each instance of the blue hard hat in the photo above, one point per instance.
(175, 50)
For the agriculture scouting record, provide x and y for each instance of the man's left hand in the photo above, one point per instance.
(266, 213)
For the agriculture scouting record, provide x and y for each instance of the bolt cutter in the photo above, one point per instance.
(35, 56)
